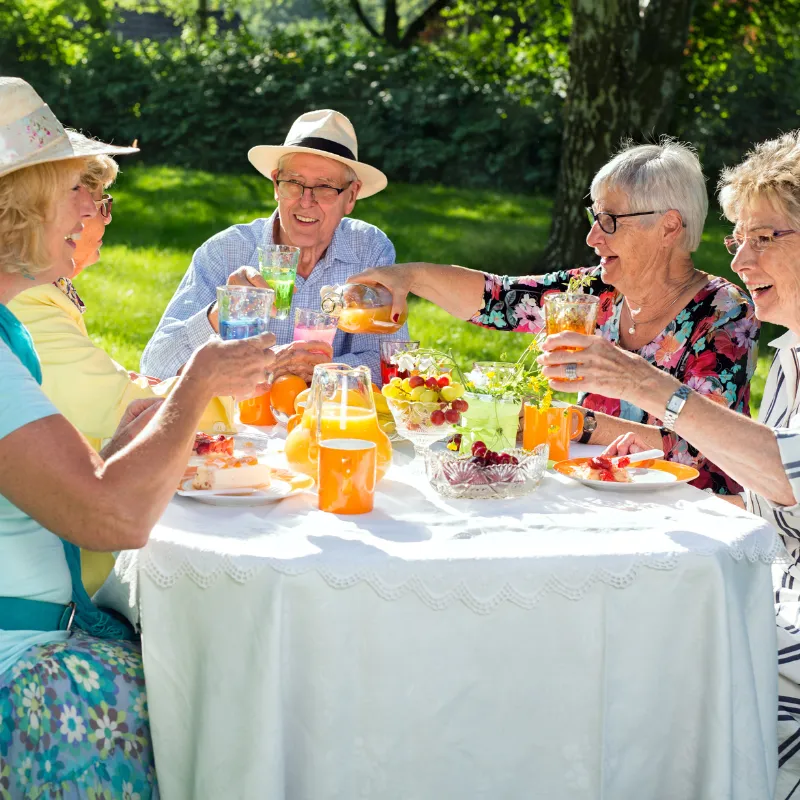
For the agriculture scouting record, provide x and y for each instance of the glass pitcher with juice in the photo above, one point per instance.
(361, 309)
(340, 406)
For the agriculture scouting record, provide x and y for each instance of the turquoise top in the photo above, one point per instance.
(32, 560)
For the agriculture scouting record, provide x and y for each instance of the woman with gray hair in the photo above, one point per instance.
(649, 205)
(761, 197)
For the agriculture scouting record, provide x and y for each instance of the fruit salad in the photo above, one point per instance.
(431, 389)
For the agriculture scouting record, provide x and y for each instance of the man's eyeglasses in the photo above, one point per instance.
(759, 243)
(293, 190)
(608, 222)
(104, 205)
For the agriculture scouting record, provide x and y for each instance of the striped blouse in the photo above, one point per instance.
(780, 410)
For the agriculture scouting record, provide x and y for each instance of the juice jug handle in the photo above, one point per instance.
(575, 430)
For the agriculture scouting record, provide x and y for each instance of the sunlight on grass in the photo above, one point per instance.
(162, 214)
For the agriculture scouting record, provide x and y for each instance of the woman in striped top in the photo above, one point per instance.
(761, 196)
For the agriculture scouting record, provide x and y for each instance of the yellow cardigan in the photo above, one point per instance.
(87, 386)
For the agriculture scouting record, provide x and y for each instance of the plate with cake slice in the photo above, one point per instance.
(233, 481)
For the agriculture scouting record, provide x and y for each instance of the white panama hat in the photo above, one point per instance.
(30, 133)
(323, 133)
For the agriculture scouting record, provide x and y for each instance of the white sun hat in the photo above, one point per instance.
(323, 133)
(31, 134)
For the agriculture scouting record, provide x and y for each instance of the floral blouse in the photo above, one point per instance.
(711, 346)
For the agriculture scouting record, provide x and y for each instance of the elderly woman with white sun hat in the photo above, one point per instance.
(73, 710)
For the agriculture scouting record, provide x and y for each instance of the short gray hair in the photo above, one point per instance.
(349, 173)
(659, 177)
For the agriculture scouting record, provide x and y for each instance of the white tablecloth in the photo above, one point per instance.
(571, 644)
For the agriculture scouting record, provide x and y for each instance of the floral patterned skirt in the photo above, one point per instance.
(73, 723)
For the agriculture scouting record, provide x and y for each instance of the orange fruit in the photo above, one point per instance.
(284, 391)
(301, 401)
(293, 422)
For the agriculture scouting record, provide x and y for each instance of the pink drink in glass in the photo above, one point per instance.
(314, 326)
(306, 334)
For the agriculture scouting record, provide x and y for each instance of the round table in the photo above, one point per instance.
(570, 644)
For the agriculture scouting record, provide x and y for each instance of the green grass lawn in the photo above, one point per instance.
(162, 214)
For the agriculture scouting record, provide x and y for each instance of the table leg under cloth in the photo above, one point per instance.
(284, 687)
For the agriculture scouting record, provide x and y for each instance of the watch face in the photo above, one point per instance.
(589, 423)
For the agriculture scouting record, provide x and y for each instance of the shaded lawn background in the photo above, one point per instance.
(162, 214)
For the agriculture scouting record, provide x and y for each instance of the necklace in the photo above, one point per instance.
(635, 312)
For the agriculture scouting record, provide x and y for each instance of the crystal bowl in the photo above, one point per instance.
(457, 475)
(413, 420)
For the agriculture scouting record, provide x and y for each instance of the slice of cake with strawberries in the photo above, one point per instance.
(223, 473)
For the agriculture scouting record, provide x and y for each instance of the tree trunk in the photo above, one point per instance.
(202, 17)
(391, 23)
(624, 69)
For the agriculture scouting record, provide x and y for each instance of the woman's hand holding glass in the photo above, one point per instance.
(240, 368)
(600, 366)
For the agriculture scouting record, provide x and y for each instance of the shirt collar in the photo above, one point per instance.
(788, 340)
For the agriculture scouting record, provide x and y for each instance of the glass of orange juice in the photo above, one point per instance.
(340, 406)
(570, 312)
(555, 426)
(361, 309)
(347, 475)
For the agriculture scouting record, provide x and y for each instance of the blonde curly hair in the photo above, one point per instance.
(27, 202)
(770, 171)
(100, 173)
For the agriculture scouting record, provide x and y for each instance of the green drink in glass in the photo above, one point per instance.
(278, 266)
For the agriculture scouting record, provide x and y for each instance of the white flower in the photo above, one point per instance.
(33, 700)
(24, 771)
(405, 362)
(20, 667)
(72, 724)
(140, 705)
(128, 793)
(106, 731)
(480, 380)
(83, 673)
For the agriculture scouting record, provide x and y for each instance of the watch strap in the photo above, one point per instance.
(674, 407)
(587, 431)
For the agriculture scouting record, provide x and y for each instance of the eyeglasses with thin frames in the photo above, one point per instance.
(293, 190)
(759, 243)
(104, 205)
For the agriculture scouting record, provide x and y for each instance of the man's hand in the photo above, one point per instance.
(300, 358)
(136, 416)
(244, 276)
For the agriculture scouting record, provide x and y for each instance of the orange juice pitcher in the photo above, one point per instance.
(556, 426)
(340, 406)
(361, 309)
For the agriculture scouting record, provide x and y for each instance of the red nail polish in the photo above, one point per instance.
(396, 317)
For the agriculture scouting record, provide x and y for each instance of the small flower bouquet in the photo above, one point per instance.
(495, 393)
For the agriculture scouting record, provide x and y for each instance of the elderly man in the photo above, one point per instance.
(317, 178)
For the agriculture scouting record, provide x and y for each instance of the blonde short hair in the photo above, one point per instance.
(659, 177)
(771, 170)
(100, 173)
(27, 202)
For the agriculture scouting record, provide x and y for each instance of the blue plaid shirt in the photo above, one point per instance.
(355, 246)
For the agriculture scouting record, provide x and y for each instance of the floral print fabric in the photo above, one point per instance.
(73, 723)
(710, 345)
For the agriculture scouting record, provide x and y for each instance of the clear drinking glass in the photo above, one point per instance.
(278, 266)
(389, 348)
(244, 311)
(314, 326)
(571, 312)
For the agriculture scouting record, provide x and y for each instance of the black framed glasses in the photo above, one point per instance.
(759, 243)
(104, 205)
(608, 222)
(293, 190)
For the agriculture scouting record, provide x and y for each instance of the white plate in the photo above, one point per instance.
(661, 475)
(276, 491)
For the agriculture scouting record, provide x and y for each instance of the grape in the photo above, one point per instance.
(437, 417)
(416, 380)
(452, 416)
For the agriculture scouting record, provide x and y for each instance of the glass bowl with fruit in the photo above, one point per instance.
(484, 474)
(428, 404)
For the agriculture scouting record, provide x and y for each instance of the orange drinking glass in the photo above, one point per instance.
(555, 426)
(347, 476)
(256, 411)
(570, 312)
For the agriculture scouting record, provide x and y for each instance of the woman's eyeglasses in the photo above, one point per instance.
(759, 243)
(104, 205)
(608, 222)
